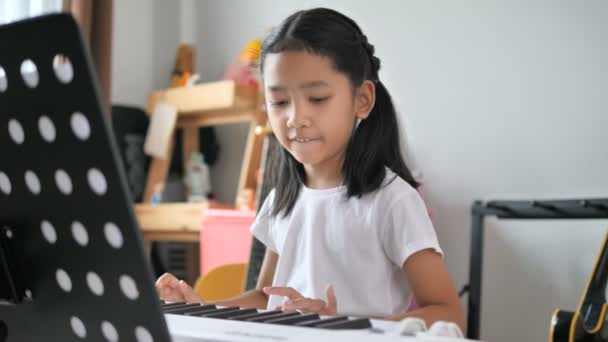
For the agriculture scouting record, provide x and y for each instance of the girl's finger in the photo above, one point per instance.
(282, 291)
(332, 302)
(288, 305)
(171, 295)
(161, 290)
(307, 305)
(174, 282)
(165, 280)
(188, 293)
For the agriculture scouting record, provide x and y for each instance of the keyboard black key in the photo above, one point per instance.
(171, 305)
(200, 309)
(294, 319)
(228, 314)
(182, 310)
(316, 322)
(255, 315)
(268, 318)
(359, 323)
(178, 305)
(213, 312)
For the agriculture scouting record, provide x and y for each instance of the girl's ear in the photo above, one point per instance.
(365, 98)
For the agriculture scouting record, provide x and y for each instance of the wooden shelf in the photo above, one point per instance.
(174, 222)
(218, 103)
(176, 217)
(209, 104)
(171, 217)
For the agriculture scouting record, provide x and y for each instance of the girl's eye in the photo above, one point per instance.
(278, 103)
(318, 99)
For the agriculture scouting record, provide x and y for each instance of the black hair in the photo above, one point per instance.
(374, 144)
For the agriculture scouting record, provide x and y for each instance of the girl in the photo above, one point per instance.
(345, 211)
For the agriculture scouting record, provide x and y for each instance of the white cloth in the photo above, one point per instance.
(358, 245)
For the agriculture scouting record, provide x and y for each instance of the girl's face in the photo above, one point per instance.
(311, 106)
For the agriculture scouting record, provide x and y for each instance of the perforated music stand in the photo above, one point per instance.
(72, 265)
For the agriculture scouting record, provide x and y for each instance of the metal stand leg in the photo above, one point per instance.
(475, 267)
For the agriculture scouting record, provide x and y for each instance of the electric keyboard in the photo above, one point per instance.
(203, 322)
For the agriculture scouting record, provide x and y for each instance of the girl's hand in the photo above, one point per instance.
(171, 289)
(297, 302)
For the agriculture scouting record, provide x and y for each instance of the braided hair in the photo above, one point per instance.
(374, 145)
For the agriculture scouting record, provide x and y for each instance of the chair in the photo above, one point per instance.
(222, 282)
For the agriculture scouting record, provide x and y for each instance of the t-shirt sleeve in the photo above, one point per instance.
(262, 225)
(407, 228)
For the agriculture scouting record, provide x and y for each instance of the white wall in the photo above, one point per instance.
(502, 100)
(145, 38)
(11, 11)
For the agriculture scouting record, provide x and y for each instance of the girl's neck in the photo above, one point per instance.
(325, 175)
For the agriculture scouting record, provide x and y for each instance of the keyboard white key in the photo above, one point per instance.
(197, 329)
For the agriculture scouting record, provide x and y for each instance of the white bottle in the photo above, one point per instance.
(197, 178)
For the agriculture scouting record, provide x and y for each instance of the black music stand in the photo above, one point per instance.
(72, 262)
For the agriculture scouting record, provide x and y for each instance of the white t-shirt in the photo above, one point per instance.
(358, 245)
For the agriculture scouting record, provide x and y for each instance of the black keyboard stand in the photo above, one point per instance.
(517, 210)
(72, 262)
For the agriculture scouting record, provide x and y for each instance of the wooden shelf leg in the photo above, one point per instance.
(159, 170)
(190, 138)
(191, 143)
(251, 159)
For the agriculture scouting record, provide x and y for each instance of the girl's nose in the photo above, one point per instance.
(297, 118)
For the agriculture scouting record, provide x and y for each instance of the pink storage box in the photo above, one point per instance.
(225, 238)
